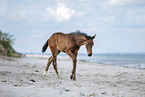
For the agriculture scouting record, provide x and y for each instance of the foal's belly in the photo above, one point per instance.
(61, 48)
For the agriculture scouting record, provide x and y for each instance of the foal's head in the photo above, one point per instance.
(89, 44)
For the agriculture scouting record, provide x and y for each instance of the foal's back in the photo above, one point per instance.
(62, 41)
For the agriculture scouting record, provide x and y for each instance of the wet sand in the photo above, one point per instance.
(22, 77)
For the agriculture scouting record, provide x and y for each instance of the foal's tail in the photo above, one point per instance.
(45, 46)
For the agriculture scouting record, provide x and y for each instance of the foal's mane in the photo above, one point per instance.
(81, 33)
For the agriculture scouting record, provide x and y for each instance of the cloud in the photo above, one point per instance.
(80, 14)
(62, 13)
(119, 2)
(125, 2)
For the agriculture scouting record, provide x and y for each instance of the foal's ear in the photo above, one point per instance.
(94, 36)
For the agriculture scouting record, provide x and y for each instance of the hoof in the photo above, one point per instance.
(44, 74)
(74, 79)
(71, 77)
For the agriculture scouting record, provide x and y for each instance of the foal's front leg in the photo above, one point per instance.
(73, 56)
(73, 76)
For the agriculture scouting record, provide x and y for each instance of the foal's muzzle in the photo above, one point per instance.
(89, 55)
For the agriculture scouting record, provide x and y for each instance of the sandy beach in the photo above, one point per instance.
(22, 77)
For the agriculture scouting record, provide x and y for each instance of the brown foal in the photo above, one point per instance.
(70, 44)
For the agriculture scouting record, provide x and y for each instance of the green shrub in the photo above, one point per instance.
(6, 42)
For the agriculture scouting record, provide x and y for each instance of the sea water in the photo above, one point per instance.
(126, 60)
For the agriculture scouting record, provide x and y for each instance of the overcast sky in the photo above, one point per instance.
(118, 24)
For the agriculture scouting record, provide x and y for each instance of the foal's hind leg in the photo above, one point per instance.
(55, 65)
(55, 52)
(47, 66)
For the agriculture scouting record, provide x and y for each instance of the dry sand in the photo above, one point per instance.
(23, 78)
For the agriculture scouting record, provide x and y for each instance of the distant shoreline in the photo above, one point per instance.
(123, 60)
